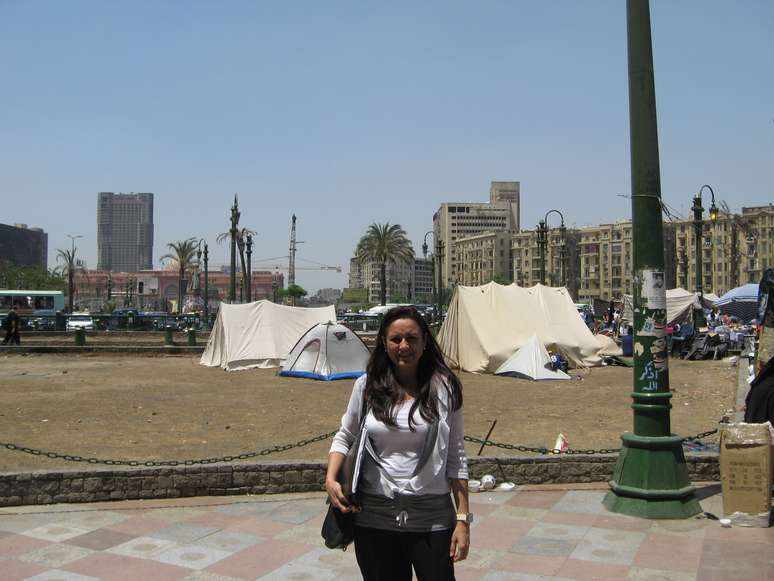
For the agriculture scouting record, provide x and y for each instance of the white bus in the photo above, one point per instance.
(29, 301)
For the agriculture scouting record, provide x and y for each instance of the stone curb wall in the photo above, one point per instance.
(30, 488)
(124, 349)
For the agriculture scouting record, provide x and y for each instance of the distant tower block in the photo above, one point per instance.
(124, 232)
(509, 192)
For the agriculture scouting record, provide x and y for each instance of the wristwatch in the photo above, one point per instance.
(466, 517)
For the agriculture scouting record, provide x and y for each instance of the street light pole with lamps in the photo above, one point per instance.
(432, 264)
(249, 275)
(650, 479)
(439, 248)
(233, 232)
(542, 232)
(698, 227)
(206, 279)
(72, 238)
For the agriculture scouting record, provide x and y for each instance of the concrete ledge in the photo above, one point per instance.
(129, 349)
(95, 484)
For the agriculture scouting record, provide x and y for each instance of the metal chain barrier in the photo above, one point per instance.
(572, 451)
(154, 463)
(301, 444)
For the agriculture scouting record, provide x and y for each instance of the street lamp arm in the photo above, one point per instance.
(561, 216)
(424, 243)
(713, 210)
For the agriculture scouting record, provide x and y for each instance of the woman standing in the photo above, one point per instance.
(415, 457)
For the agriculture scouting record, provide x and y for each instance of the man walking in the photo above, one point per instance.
(12, 327)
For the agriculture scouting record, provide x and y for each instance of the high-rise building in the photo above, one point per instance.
(423, 280)
(455, 220)
(124, 232)
(23, 246)
(509, 192)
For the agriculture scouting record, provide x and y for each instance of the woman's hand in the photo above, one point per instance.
(336, 495)
(460, 542)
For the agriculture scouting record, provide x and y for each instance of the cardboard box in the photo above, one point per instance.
(745, 472)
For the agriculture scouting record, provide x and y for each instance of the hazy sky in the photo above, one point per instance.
(348, 113)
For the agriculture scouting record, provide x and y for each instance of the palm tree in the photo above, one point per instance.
(68, 267)
(383, 244)
(183, 252)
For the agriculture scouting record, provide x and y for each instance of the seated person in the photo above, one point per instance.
(760, 398)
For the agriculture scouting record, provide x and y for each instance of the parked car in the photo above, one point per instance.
(80, 321)
(125, 312)
(43, 320)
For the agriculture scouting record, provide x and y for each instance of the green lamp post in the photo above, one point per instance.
(698, 229)
(233, 232)
(650, 478)
(542, 234)
(432, 264)
(543, 231)
(249, 275)
(439, 248)
(206, 279)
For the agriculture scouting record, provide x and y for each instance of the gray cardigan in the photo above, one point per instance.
(447, 458)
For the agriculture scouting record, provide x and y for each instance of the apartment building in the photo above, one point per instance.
(456, 220)
(607, 260)
(484, 257)
(400, 279)
(736, 249)
(561, 260)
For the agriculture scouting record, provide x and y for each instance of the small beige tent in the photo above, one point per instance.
(259, 334)
(486, 324)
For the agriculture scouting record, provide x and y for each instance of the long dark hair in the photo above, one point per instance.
(382, 391)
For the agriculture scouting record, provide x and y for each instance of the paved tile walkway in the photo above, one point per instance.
(532, 533)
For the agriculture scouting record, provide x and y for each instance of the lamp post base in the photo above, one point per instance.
(651, 479)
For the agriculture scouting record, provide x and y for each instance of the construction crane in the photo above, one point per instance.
(292, 256)
(275, 264)
(291, 267)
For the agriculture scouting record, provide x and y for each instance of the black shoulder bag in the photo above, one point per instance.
(338, 528)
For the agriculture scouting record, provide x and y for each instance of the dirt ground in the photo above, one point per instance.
(172, 408)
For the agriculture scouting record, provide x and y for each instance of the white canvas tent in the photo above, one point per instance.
(607, 346)
(532, 362)
(485, 324)
(327, 351)
(259, 334)
(680, 304)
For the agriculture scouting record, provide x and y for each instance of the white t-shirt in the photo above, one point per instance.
(398, 447)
